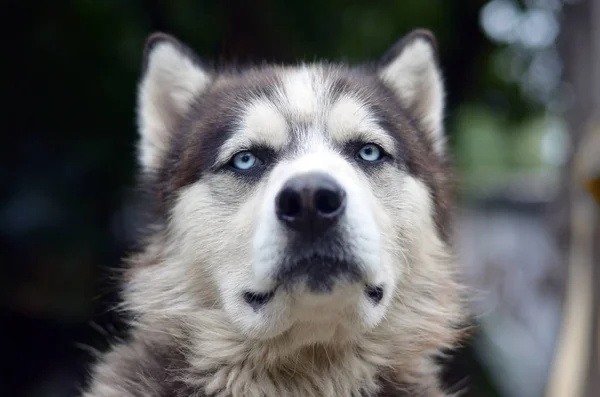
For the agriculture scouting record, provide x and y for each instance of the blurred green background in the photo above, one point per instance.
(69, 75)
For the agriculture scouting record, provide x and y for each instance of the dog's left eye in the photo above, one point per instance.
(244, 160)
(370, 152)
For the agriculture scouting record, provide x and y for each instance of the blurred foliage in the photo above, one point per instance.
(69, 83)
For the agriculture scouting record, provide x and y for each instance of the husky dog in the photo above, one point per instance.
(301, 241)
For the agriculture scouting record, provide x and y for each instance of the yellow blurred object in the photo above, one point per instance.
(577, 347)
(593, 185)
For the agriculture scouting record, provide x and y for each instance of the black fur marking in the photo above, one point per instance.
(212, 120)
(319, 263)
(375, 294)
(415, 148)
(319, 273)
(214, 117)
(156, 367)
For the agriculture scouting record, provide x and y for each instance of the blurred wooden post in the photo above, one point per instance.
(575, 370)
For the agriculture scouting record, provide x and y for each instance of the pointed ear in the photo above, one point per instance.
(411, 69)
(173, 76)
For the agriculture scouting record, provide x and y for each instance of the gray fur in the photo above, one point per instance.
(214, 237)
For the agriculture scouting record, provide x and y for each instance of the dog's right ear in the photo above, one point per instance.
(411, 70)
(173, 77)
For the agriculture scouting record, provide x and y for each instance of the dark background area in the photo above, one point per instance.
(69, 80)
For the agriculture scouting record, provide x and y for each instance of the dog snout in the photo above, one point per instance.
(310, 203)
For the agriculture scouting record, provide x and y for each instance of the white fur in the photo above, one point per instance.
(417, 81)
(222, 238)
(359, 219)
(171, 82)
(350, 119)
(248, 259)
(261, 123)
(360, 227)
(327, 353)
(300, 92)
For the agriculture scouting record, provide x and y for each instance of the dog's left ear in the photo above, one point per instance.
(411, 69)
(173, 77)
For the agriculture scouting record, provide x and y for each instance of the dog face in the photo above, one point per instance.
(295, 199)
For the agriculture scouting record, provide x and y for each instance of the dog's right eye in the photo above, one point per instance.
(244, 160)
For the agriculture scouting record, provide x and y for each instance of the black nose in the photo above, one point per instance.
(310, 203)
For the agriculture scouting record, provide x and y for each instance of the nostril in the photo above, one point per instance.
(289, 203)
(328, 201)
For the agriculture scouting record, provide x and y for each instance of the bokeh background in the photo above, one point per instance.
(523, 80)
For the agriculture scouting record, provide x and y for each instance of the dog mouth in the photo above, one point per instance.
(316, 272)
(258, 300)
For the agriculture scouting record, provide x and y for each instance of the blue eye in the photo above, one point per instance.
(244, 160)
(370, 152)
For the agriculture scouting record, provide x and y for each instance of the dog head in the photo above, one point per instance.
(298, 200)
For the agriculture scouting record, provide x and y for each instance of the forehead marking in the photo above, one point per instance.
(299, 92)
(351, 119)
(261, 123)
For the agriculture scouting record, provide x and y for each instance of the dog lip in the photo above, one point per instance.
(319, 272)
(257, 299)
